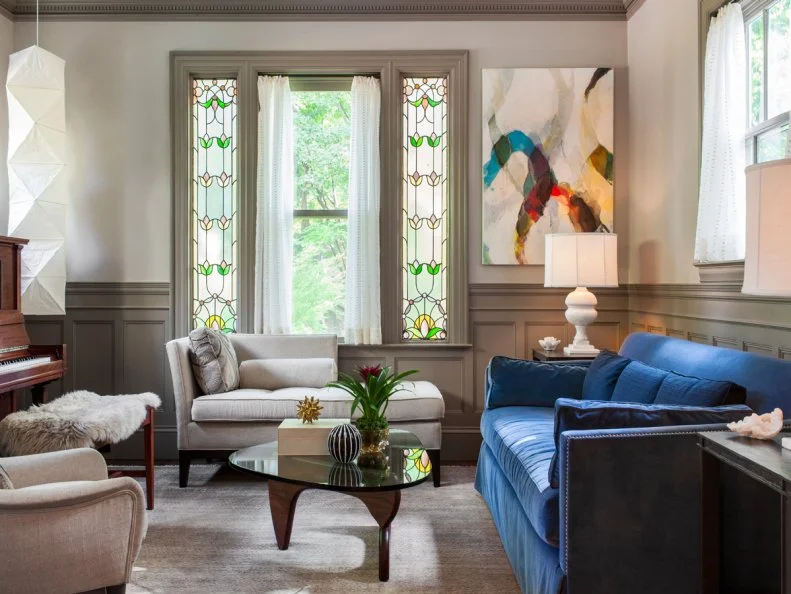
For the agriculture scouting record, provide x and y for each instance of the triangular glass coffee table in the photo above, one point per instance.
(379, 490)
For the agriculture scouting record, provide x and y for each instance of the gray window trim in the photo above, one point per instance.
(390, 67)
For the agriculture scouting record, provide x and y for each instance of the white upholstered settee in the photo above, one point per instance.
(215, 425)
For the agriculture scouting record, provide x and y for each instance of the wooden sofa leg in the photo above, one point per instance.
(436, 463)
(184, 467)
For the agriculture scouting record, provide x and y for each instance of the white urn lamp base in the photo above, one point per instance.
(581, 312)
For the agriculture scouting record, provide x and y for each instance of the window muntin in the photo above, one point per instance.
(769, 81)
(322, 134)
(425, 209)
(214, 204)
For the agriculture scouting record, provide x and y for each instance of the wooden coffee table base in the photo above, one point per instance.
(383, 506)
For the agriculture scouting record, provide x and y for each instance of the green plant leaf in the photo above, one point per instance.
(205, 270)
(433, 143)
(206, 143)
(225, 144)
(416, 142)
(433, 270)
(415, 270)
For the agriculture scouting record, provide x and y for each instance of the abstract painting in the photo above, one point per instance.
(547, 158)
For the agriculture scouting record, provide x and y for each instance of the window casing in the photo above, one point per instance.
(769, 79)
(392, 68)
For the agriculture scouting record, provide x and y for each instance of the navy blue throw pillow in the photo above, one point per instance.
(638, 383)
(516, 382)
(572, 415)
(602, 376)
(693, 391)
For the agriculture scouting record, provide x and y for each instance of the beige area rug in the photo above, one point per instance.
(216, 537)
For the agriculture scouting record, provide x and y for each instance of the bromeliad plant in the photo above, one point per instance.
(371, 393)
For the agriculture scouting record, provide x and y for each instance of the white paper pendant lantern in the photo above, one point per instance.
(36, 178)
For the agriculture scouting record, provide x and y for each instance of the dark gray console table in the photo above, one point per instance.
(766, 462)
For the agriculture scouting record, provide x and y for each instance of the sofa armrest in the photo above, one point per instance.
(630, 509)
(70, 537)
(82, 464)
(185, 388)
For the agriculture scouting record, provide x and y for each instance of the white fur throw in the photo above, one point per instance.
(79, 419)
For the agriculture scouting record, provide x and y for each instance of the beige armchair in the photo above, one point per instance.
(66, 527)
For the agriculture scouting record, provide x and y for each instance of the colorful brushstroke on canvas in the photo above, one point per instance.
(424, 204)
(547, 158)
(214, 204)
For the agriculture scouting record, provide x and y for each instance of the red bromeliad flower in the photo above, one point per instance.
(367, 371)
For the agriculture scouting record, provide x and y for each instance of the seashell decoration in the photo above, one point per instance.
(549, 343)
(764, 426)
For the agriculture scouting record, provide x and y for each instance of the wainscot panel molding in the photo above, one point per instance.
(719, 315)
(115, 335)
(319, 9)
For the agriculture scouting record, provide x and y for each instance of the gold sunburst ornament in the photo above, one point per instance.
(309, 410)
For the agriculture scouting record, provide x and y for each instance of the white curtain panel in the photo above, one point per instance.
(363, 317)
(37, 181)
(721, 207)
(274, 225)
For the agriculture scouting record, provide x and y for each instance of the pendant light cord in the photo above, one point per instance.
(37, 23)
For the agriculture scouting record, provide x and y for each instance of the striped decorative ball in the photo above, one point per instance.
(346, 475)
(344, 443)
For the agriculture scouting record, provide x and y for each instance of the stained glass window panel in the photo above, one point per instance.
(214, 204)
(424, 216)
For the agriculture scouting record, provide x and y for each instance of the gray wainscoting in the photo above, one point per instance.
(115, 335)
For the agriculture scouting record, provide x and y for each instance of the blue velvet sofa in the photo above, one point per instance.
(624, 513)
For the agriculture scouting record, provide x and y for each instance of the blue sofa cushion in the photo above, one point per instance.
(521, 440)
(515, 382)
(693, 391)
(571, 415)
(638, 383)
(602, 376)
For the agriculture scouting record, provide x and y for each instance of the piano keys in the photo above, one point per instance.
(22, 365)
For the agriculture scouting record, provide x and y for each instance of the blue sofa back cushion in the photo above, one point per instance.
(765, 379)
(648, 385)
(572, 415)
(516, 382)
(602, 376)
(638, 383)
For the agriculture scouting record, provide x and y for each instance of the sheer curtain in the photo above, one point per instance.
(362, 315)
(273, 234)
(721, 206)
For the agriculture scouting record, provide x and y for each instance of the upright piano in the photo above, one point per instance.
(22, 365)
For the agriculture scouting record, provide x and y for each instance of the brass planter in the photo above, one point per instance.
(375, 448)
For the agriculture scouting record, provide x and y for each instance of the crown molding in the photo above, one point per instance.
(318, 9)
(631, 6)
(7, 8)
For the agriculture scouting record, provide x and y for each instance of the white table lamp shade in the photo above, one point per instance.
(581, 260)
(767, 270)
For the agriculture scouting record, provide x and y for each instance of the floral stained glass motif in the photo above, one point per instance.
(425, 203)
(416, 464)
(214, 204)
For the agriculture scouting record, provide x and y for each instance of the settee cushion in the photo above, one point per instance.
(602, 376)
(571, 415)
(418, 401)
(273, 374)
(516, 382)
(213, 361)
(521, 440)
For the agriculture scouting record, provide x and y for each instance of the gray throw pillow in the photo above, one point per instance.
(213, 360)
(5, 480)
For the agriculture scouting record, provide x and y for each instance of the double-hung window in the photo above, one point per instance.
(769, 79)
(322, 130)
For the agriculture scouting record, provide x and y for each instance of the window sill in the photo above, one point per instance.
(721, 273)
(406, 346)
